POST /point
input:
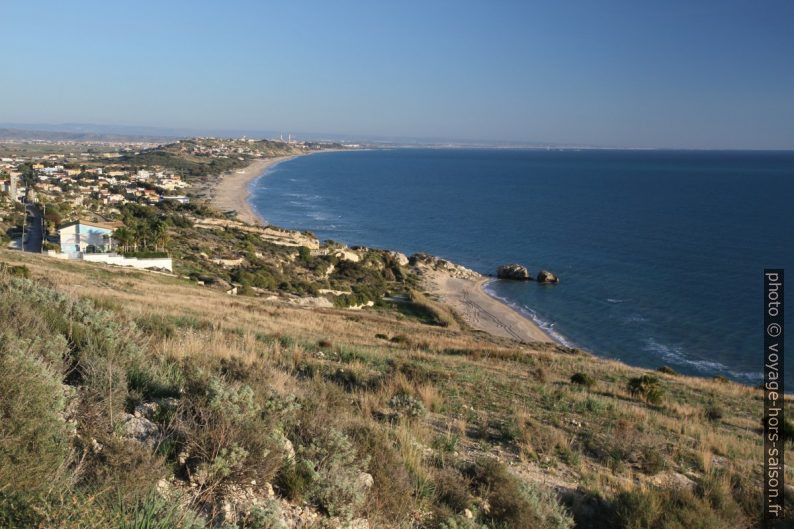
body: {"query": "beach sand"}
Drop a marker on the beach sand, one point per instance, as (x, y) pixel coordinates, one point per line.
(468, 298)
(231, 191)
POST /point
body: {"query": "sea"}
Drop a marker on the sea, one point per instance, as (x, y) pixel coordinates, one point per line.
(660, 254)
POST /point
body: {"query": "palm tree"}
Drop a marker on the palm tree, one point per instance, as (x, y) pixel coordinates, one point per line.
(123, 237)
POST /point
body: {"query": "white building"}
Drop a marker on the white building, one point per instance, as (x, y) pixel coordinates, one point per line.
(81, 236)
(93, 241)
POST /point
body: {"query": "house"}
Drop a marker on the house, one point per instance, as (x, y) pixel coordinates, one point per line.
(93, 242)
(87, 237)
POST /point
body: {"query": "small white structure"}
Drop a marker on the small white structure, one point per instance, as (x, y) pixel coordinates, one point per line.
(182, 199)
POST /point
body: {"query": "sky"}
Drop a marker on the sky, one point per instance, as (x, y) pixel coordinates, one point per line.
(672, 74)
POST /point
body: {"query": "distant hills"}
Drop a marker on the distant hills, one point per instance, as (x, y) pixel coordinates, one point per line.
(122, 133)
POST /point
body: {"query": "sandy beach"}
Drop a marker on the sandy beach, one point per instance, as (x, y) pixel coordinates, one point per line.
(231, 191)
(468, 298)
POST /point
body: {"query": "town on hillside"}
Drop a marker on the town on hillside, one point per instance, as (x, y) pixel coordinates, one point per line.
(148, 206)
(70, 199)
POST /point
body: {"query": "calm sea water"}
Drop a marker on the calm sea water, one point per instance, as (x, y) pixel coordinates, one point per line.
(660, 254)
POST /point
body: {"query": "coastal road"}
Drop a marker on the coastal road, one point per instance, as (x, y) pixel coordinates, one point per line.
(34, 229)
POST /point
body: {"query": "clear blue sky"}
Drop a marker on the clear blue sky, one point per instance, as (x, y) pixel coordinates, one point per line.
(621, 73)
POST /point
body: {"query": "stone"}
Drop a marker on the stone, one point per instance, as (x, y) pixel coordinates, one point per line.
(468, 514)
(365, 480)
(401, 258)
(513, 271)
(146, 409)
(140, 429)
(544, 276)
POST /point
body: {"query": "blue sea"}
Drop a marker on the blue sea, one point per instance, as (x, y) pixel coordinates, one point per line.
(660, 253)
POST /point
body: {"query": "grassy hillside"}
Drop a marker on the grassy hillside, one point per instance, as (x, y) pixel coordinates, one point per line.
(136, 399)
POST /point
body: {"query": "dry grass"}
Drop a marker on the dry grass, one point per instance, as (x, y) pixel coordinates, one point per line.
(469, 382)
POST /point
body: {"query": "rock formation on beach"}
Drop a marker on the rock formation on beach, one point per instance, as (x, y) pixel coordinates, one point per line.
(513, 271)
(544, 276)
(423, 261)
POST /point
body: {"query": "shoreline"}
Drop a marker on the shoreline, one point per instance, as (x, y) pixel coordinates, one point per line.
(483, 312)
(231, 192)
(466, 297)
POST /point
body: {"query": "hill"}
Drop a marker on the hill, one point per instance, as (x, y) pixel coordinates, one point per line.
(139, 399)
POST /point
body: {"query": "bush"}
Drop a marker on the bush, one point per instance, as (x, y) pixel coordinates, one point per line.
(712, 505)
(400, 338)
(267, 516)
(667, 370)
(646, 387)
(408, 404)
(15, 270)
(334, 468)
(220, 430)
(713, 412)
(452, 490)
(392, 495)
(583, 379)
(514, 503)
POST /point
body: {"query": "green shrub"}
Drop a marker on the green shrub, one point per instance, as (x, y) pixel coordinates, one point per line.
(514, 503)
(712, 505)
(408, 404)
(19, 510)
(714, 412)
(15, 270)
(452, 489)
(583, 379)
(267, 516)
(653, 461)
(334, 468)
(646, 387)
(221, 433)
(294, 480)
(667, 370)
(34, 437)
(392, 496)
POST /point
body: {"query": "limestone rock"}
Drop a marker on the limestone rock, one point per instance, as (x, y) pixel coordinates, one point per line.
(401, 258)
(544, 276)
(513, 271)
(425, 262)
(140, 429)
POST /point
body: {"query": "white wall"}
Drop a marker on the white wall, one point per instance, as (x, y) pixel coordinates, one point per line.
(135, 262)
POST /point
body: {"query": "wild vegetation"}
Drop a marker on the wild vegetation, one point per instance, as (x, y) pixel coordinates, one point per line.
(131, 399)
